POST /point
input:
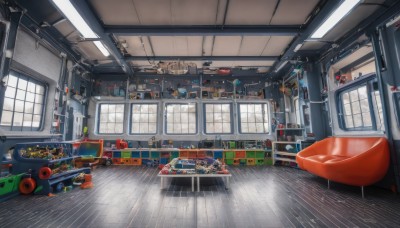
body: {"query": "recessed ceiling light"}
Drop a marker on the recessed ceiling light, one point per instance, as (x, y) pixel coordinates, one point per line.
(334, 18)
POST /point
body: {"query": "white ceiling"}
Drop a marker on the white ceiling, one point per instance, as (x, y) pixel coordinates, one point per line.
(209, 12)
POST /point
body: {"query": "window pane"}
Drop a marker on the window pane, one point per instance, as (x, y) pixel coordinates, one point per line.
(19, 106)
(218, 119)
(111, 119)
(36, 121)
(39, 89)
(357, 120)
(6, 118)
(349, 121)
(144, 115)
(20, 94)
(355, 107)
(38, 109)
(18, 117)
(27, 120)
(8, 104)
(364, 105)
(367, 120)
(12, 81)
(22, 83)
(39, 99)
(254, 118)
(10, 92)
(31, 87)
(179, 118)
(346, 98)
(362, 92)
(28, 107)
(353, 95)
(347, 109)
(30, 97)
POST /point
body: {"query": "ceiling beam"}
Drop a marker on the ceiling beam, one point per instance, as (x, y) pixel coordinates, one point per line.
(323, 13)
(226, 30)
(87, 13)
(202, 58)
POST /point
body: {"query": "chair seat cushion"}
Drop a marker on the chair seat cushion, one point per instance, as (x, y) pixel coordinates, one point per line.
(322, 158)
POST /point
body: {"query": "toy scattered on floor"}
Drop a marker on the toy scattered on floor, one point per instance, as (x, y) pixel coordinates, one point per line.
(88, 182)
(191, 166)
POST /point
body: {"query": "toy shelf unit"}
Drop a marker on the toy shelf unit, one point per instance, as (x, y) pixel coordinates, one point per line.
(50, 166)
(245, 157)
(284, 153)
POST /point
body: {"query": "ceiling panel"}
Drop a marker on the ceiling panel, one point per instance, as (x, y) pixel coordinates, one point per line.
(253, 45)
(312, 45)
(65, 28)
(112, 13)
(226, 45)
(352, 20)
(276, 45)
(208, 43)
(91, 52)
(291, 12)
(144, 64)
(194, 12)
(136, 45)
(250, 12)
(153, 12)
(176, 45)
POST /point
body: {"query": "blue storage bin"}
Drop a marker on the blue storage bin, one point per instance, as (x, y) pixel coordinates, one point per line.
(135, 154)
(218, 154)
(117, 154)
(163, 161)
(145, 154)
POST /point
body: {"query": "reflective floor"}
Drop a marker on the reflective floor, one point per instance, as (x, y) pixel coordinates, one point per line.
(264, 196)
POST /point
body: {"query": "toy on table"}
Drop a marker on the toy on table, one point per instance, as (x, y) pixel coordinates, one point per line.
(191, 166)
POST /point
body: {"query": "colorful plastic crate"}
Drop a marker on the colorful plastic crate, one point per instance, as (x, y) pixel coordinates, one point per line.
(126, 154)
(218, 154)
(240, 154)
(260, 161)
(201, 154)
(174, 154)
(117, 154)
(251, 161)
(136, 161)
(250, 154)
(260, 154)
(229, 154)
(116, 161)
(164, 161)
(126, 161)
(145, 154)
(155, 154)
(229, 161)
(135, 154)
(236, 161)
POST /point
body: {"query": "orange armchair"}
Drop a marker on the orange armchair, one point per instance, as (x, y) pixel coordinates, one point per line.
(352, 161)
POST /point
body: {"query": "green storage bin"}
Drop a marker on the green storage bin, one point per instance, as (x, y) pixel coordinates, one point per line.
(250, 154)
(260, 154)
(174, 154)
(229, 161)
(268, 161)
(229, 155)
(126, 154)
(260, 161)
(155, 154)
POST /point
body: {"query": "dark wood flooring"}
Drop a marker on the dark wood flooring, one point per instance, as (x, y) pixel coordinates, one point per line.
(259, 197)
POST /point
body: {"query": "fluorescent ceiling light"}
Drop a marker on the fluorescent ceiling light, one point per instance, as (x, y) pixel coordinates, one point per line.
(75, 18)
(298, 47)
(101, 47)
(69, 11)
(334, 18)
(281, 66)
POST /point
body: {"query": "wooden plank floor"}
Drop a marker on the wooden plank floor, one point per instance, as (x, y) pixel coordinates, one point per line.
(259, 197)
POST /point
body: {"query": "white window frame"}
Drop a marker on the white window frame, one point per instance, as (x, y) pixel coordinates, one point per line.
(265, 118)
(117, 124)
(178, 121)
(24, 97)
(218, 118)
(145, 118)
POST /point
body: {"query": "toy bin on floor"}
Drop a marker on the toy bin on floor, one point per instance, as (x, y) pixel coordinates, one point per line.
(90, 153)
(49, 165)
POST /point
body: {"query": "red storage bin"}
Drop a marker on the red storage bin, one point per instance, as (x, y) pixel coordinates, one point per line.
(240, 154)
